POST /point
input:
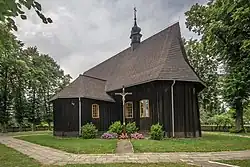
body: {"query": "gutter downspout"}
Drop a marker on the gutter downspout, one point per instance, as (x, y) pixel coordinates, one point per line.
(80, 115)
(172, 102)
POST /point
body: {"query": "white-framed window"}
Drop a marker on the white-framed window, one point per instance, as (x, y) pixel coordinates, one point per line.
(129, 109)
(95, 111)
(144, 108)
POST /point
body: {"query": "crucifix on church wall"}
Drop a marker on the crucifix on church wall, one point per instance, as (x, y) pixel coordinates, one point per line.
(123, 94)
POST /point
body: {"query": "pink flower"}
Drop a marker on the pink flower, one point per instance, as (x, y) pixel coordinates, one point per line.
(123, 136)
(137, 136)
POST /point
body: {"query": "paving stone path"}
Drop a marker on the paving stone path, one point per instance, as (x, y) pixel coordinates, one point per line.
(211, 164)
(46, 155)
(124, 146)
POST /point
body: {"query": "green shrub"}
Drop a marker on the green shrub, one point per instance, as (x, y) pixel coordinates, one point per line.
(131, 128)
(156, 132)
(89, 131)
(116, 127)
(234, 130)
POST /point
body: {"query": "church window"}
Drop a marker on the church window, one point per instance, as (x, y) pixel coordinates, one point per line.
(95, 111)
(144, 108)
(129, 109)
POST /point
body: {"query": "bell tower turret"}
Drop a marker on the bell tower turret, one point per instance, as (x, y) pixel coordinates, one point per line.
(135, 33)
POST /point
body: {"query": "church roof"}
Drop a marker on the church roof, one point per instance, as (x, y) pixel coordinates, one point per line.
(160, 57)
(86, 87)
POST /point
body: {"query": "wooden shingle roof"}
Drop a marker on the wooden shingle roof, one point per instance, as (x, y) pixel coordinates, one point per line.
(160, 57)
(86, 87)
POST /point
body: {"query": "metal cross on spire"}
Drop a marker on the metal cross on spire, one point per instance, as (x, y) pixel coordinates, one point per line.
(135, 13)
(123, 94)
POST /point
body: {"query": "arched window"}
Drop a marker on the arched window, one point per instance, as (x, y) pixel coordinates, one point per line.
(129, 109)
(95, 111)
(144, 108)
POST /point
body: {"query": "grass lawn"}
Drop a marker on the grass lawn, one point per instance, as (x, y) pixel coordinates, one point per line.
(73, 145)
(241, 163)
(12, 158)
(208, 143)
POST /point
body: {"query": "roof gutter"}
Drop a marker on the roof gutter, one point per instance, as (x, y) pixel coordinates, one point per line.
(172, 101)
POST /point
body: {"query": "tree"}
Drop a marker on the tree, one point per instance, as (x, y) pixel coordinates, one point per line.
(8, 50)
(205, 65)
(14, 8)
(224, 26)
(19, 85)
(45, 79)
(27, 80)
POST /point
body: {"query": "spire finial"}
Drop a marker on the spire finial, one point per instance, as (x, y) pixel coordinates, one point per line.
(135, 13)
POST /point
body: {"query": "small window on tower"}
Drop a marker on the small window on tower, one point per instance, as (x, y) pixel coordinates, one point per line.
(95, 111)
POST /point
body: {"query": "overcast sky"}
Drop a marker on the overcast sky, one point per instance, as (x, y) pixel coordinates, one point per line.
(86, 32)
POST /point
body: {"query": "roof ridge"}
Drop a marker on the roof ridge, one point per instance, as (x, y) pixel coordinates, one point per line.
(92, 77)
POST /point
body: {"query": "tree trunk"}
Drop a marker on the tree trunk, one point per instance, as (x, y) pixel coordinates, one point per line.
(33, 108)
(49, 125)
(33, 127)
(20, 127)
(239, 116)
(5, 102)
(3, 128)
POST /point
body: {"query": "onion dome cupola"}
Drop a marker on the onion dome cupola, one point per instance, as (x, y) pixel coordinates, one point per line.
(135, 33)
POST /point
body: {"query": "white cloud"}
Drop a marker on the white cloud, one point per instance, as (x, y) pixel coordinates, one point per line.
(84, 33)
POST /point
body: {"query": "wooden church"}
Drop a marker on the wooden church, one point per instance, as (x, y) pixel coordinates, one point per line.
(162, 86)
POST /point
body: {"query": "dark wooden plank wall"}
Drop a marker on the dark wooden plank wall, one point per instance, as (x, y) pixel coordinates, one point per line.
(187, 121)
(66, 115)
(107, 114)
(158, 93)
(186, 111)
(139, 92)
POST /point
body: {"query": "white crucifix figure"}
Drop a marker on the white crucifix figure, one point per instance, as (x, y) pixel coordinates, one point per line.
(123, 94)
